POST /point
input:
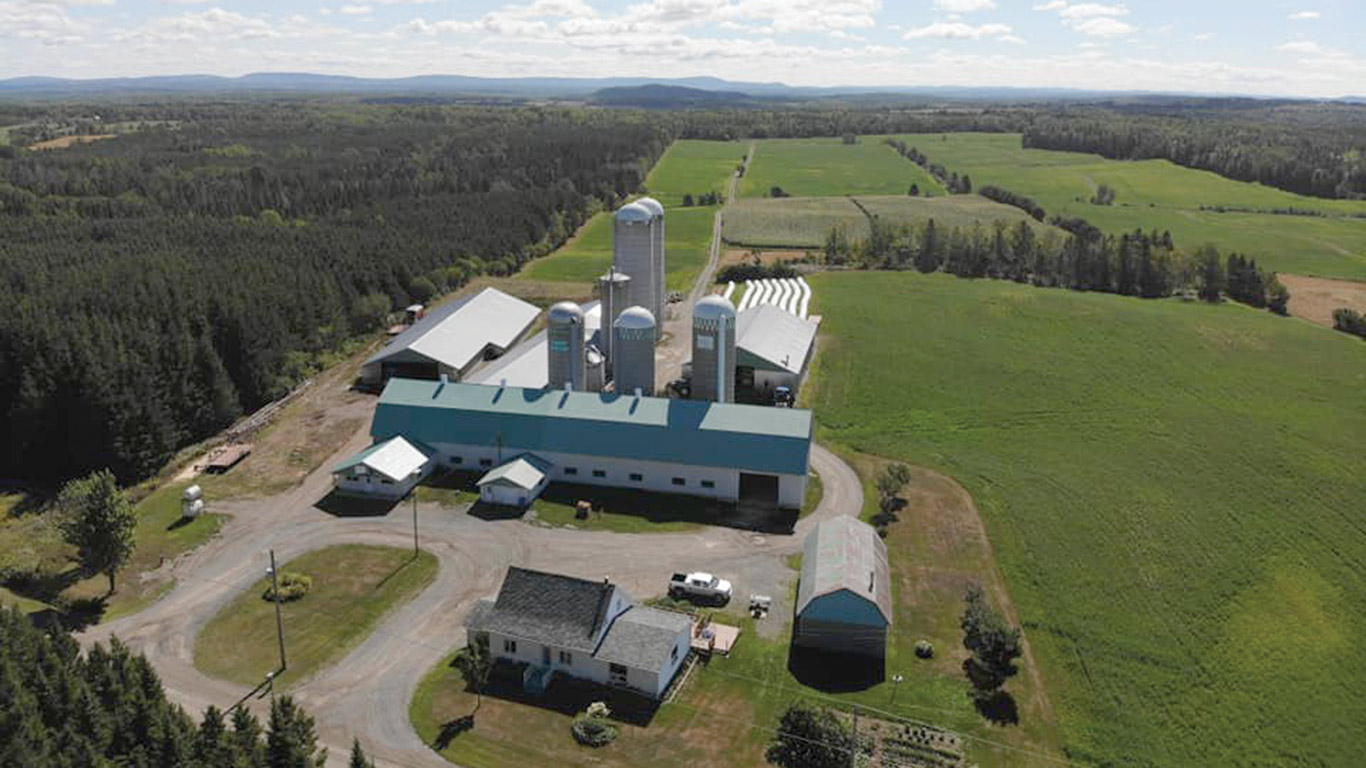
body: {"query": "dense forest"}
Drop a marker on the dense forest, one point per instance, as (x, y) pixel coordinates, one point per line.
(108, 709)
(1312, 149)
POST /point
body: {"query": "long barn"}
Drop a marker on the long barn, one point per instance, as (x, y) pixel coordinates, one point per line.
(719, 450)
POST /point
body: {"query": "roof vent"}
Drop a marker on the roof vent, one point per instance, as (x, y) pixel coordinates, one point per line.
(640, 392)
(872, 580)
(445, 379)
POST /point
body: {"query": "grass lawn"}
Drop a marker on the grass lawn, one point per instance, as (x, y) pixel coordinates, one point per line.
(805, 222)
(353, 587)
(1161, 195)
(1171, 490)
(694, 167)
(827, 167)
(725, 714)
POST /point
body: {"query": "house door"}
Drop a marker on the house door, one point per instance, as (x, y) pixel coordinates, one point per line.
(616, 674)
(545, 655)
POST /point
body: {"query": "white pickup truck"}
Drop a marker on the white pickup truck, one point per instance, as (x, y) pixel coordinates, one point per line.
(699, 586)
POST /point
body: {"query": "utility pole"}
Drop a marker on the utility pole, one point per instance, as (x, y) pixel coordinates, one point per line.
(279, 620)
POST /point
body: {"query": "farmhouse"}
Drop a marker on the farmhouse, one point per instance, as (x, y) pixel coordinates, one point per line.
(548, 624)
(719, 450)
(452, 339)
(773, 349)
(387, 469)
(844, 599)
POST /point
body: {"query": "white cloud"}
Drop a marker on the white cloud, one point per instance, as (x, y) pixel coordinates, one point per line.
(1051, 6)
(1304, 16)
(964, 6)
(1203, 36)
(1089, 10)
(1091, 19)
(356, 10)
(1102, 26)
(1300, 46)
(46, 23)
(956, 30)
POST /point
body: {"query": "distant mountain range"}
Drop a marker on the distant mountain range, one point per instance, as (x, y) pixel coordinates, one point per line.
(616, 91)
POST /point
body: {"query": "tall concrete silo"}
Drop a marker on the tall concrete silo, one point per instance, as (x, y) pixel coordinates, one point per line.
(612, 289)
(633, 253)
(657, 248)
(565, 329)
(713, 350)
(634, 348)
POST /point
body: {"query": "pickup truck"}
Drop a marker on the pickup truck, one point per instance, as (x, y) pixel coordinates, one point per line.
(699, 586)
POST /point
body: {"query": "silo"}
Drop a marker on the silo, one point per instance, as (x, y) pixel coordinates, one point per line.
(635, 332)
(713, 350)
(657, 253)
(565, 336)
(612, 289)
(633, 253)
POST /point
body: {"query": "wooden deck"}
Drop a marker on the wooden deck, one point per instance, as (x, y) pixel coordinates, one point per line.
(714, 638)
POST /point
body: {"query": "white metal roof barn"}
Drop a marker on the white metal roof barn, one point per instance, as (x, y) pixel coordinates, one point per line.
(844, 600)
(773, 348)
(452, 338)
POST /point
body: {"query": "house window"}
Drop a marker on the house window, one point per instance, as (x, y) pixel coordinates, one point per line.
(387, 481)
(599, 473)
(566, 658)
(571, 470)
(674, 653)
(636, 477)
(486, 462)
(509, 646)
(679, 481)
(708, 484)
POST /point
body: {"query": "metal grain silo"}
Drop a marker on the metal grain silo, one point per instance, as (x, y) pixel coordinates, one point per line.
(612, 289)
(565, 336)
(633, 253)
(657, 254)
(713, 350)
(634, 347)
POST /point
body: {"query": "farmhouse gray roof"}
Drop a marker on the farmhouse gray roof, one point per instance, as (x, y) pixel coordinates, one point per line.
(456, 334)
(643, 637)
(843, 553)
(546, 607)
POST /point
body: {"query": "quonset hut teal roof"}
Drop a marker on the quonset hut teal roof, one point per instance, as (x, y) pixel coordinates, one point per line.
(748, 438)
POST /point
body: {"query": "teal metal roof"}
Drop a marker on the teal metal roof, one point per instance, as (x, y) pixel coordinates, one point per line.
(746, 437)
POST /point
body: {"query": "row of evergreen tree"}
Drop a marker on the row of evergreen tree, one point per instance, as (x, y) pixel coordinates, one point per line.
(107, 709)
(951, 181)
(1138, 263)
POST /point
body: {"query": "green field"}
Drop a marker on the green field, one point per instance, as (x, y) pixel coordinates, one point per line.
(805, 222)
(694, 167)
(828, 167)
(1156, 194)
(353, 587)
(1173, 492)
(687, 237)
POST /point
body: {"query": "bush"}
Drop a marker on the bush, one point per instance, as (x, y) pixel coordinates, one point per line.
(593, 731)
(924, 649)
(292, 587)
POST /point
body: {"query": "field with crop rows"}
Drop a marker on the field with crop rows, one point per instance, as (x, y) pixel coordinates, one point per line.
(826, 167)
(694, 167)
(804, 222)
(1172, 491)
(1156, 194)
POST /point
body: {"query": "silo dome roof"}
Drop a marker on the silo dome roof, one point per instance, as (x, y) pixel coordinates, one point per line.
(566, 311)
(634, 212)
(713, 307)
(635, 318)
(652, 204)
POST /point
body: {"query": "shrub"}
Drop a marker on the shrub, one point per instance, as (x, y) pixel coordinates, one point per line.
(292, 587)
(924, 649)
(593, 731)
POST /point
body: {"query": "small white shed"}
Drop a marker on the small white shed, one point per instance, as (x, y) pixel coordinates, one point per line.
(515, 483)
(389, 469)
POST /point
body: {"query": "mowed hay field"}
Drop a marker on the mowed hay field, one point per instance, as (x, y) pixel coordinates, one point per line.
(1157, 194)
(1173, 492)
(824, 167)
(693, 167)
(805, 222)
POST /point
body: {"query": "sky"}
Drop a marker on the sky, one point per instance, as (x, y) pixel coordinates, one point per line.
(1309, 48)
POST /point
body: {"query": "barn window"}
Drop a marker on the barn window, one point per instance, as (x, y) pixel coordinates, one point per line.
(566, 658)
(679, 481)
(571, 470)
(636, 477)
(457, 460)
(599, 473)
(708, 484)
(486, 462)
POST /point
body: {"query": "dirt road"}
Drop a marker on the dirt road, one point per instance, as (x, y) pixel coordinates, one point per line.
(367, 693)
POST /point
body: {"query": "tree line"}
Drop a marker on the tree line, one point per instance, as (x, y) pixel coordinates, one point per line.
(951, 181)
(1138, 263)
(108, 708)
